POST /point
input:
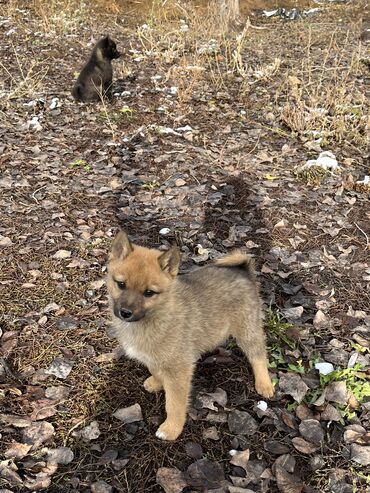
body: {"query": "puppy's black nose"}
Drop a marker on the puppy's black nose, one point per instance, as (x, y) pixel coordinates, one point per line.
(125, 313)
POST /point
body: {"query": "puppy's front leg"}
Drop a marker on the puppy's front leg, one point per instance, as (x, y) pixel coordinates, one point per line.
(177, 388)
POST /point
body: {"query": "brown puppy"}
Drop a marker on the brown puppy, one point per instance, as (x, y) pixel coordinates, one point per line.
(167, 321)
(95, 79)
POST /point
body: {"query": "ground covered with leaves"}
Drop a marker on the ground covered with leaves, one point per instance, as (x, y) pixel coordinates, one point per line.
(204, 146)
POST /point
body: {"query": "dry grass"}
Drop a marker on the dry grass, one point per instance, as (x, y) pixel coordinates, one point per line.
(197, 47)
(322, 97)
(21, 76)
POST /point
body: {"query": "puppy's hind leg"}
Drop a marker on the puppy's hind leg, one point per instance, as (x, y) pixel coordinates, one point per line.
(251, 339)
(153, 383)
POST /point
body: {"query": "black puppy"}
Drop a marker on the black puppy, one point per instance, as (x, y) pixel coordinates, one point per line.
(95, 79)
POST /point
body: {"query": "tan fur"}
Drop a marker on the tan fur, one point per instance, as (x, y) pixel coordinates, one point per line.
(190, 315)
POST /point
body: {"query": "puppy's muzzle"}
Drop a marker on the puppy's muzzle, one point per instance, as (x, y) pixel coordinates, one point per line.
(129, 316)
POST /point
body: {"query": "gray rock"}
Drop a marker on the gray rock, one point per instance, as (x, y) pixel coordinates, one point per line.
(60, 455)
(67, 323)
(90, 432)
(129, 414)
(101, 487)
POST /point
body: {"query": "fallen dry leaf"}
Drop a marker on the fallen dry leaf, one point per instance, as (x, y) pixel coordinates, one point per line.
(240, 459)
(60, 368)
(171, 479)
(38, 433)
(292, 384)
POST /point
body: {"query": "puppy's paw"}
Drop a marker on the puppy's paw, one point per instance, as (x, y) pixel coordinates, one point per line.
(265, 388)
(151, 384)
(168, 431)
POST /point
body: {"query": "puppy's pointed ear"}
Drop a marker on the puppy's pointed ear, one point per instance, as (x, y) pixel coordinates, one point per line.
(170, 261)
(121, 247)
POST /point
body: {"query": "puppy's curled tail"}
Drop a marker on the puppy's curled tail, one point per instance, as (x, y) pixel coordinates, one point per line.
(240, 260)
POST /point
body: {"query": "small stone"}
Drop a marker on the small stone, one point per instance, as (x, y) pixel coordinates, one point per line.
(180, 182)
(324, 368)
(317, 462)
(288, 483)
(213, 417)
(337, 357)
(353, 433)
(205, 474)
(67, 323)
(108, 456)
(61, 254)
(207, 399)
(262, 406)
(320, 320)
(60, 455)
(51, 307)
(5, 241)
(129, 414)
(101, 487)
(17, 421)
(303, 412)
(40, 481)
(119, 464)
(294, 313)
(90, 432)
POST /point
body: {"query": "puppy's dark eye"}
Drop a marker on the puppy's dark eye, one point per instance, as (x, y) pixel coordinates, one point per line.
(148, 293)
(121, 284)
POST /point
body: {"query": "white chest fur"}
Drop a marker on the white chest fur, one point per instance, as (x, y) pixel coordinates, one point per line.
(136, 344)
(133, 352)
